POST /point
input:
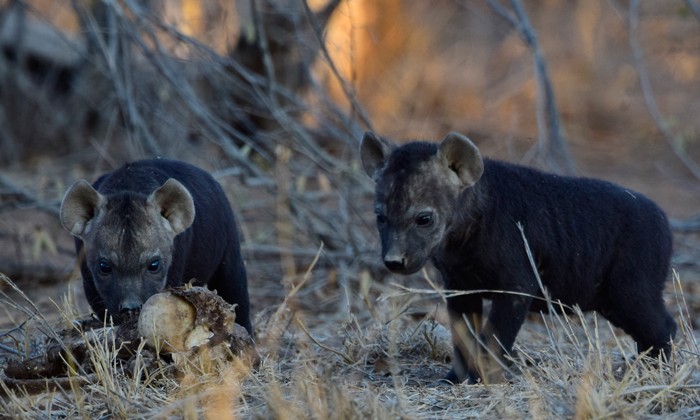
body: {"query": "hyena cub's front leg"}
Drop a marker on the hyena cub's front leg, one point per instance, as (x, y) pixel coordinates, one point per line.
(465, 323)
(479, 349)
(471, 362)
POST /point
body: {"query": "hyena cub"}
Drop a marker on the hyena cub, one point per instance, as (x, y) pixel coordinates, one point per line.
(153, 224)
(596, 245)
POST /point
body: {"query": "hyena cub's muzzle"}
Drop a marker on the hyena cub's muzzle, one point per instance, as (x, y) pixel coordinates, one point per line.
(394, 259)
(129, 306)
(397, 261)
(394, 264)
(407, 246)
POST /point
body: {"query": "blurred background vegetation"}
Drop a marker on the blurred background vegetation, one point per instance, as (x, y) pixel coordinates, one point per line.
(273, 97)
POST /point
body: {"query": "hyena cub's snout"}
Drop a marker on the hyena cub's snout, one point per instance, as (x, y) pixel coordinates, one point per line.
(396, 262)
(409, 235)
(130, 303)
(130, 307)
(394, 258)
(406, 261)
(123, 305)
(403, 253)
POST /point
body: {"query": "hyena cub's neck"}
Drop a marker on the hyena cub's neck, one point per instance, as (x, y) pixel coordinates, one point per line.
(466, 216)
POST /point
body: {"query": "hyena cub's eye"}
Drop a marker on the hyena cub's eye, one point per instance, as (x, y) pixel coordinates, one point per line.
(424, 219)
(154, 265)
(104, 266)
(381, 220)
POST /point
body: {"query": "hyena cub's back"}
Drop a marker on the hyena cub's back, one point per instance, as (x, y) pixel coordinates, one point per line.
(153, 224)
(596, 244)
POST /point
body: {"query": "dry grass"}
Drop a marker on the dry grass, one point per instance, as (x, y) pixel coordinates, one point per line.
(564, 366)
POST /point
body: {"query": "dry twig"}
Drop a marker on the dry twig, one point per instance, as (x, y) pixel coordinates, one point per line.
(552, 141)
(645, 84)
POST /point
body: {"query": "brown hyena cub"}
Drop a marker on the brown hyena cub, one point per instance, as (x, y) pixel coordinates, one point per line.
(596, 245)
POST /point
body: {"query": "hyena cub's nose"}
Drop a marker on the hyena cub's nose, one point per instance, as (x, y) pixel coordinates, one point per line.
(395, 264)
(129, 307)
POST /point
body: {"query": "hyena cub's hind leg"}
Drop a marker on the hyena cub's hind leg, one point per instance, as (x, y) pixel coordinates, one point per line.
(638, 308)
(649, 323)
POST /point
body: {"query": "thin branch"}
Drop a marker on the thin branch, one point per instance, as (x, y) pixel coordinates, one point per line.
(349, 92)
(263, 46)
(220, 129)
(25, 198)
(340, 354)
(689, 225)
(645, 84)
(694, 8)
(551, 136)
(29, 308)
(104, 25)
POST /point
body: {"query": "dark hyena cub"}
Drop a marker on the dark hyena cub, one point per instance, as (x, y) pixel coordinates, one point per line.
(596, 245)
(153, 224)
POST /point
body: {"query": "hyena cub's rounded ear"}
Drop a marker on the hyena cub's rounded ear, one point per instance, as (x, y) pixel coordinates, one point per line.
(373, 152)
(79, 206)
(174, 203)
(462, 157)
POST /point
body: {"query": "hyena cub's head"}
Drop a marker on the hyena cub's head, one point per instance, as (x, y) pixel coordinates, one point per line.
(127, 238)
(417, 185)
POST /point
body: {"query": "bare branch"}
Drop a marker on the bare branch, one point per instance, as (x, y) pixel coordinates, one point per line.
(694, 8)
(109, 48)
(645, 84)
(689, 225)
(551, 137)
(24, 198)
(263, 46)
(317, 24)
